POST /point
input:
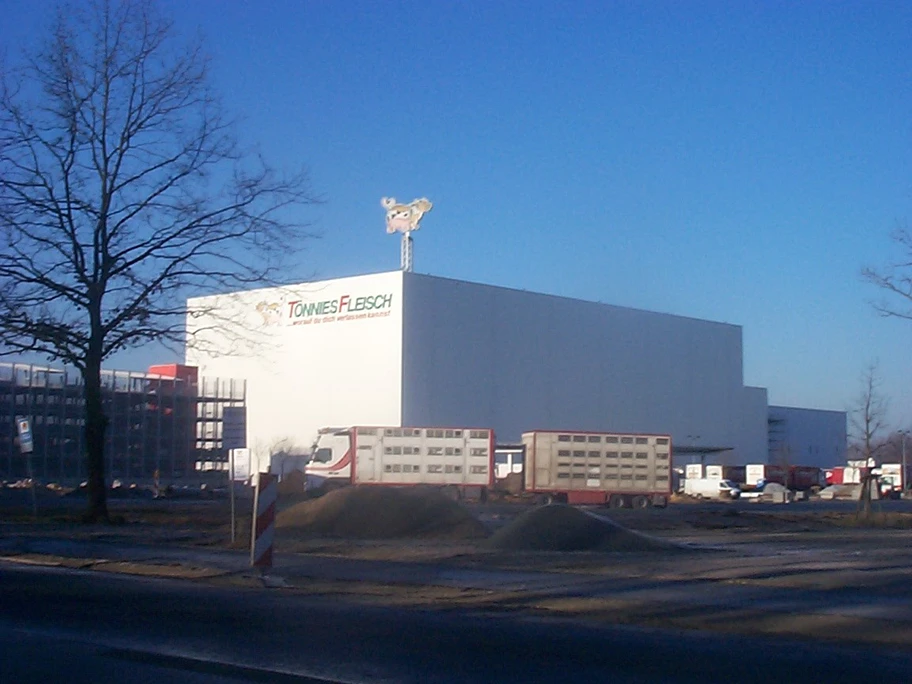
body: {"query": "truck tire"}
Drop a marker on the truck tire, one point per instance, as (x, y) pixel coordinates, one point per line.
(617, 501)
(640, 501)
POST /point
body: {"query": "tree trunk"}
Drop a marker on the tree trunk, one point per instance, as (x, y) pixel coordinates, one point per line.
(864, 502)
(95, 427)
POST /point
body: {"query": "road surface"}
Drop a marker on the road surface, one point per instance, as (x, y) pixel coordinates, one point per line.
(77, 626)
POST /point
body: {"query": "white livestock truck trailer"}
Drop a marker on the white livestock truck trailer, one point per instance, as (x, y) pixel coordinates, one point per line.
(460, 460)
(617, 469)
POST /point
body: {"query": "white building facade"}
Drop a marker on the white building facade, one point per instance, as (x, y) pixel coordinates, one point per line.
(807, 436)
(408, 349)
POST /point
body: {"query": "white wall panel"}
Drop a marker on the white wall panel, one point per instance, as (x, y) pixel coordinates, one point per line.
(482, 355)
(314, 355)
(753, 444)
(807, 436)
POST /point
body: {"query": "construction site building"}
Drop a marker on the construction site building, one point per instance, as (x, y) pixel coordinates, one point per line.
(165, 424)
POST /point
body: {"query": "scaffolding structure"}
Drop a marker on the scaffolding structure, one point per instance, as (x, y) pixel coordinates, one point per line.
(158, 426)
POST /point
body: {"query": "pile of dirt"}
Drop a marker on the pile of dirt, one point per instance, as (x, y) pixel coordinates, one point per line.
(380, 513)
(291, 484)
(564, 528)
(511, 484)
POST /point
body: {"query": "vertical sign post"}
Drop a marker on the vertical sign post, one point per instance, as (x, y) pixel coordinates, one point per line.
(26, 446)
(231, 493)
(264, 505)
(234, 436)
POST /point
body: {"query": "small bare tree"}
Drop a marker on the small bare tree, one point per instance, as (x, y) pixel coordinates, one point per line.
(122, 192)
(896, 278)
(868, 420)
(782, 457)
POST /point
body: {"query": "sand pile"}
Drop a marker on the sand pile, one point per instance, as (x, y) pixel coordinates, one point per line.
(564, 528)
(511, 484)
(291, 484)
(380, 513)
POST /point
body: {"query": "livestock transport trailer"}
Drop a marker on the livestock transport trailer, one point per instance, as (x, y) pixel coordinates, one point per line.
(755, 473)
(460, 460)
(617, 469)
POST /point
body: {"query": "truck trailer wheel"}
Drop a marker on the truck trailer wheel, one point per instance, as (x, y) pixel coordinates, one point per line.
(617, 501)
(640, 501)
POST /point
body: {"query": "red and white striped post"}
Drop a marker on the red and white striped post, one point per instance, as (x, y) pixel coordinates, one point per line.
(263, 528)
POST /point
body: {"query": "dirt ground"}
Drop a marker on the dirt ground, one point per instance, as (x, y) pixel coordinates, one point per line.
(387, 524)
(728, 555)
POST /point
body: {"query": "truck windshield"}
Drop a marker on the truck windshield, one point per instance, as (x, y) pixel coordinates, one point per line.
(323, 455)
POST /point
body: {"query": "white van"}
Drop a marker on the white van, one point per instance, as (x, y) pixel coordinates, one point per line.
(711, 488)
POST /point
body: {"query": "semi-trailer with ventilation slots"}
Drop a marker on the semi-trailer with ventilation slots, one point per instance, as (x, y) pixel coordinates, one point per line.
(610, 468)
(460, 460)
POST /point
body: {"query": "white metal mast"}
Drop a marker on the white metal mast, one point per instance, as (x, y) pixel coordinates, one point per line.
(404, 218)
(405, 260)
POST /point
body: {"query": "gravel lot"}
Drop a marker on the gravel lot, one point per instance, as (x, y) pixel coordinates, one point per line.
(810, 570)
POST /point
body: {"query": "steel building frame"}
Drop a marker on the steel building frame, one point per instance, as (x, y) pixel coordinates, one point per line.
(157, 425)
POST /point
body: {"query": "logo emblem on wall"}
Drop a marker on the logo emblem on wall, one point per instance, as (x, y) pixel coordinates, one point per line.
(271, 312)
(403, 218)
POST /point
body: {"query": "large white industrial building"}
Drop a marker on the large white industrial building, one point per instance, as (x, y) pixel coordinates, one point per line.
(807, 436)
(402, 348)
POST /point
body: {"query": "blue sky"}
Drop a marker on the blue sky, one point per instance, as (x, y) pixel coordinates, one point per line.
(733, 161)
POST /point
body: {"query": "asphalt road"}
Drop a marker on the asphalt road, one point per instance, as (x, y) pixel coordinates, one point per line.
(74, 626)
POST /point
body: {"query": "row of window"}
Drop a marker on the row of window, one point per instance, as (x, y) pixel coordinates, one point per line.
(624, 476)
(131, 402)
(38, 398)
(609, 439)
(56, 420)
(443, 434)
(566, 453)
(432, 434)
(432, 468)
(391, 432)
(431, 451)
(398, 451)
(609, 468)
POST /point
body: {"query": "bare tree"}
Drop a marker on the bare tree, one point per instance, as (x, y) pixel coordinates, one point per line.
(868, 417)
(123, 191)
(868, 420)
(782, 457)
(896, 278)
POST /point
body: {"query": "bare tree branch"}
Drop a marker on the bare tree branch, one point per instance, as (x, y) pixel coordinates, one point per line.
(868, 417)
(896, 278)
(123, 192)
